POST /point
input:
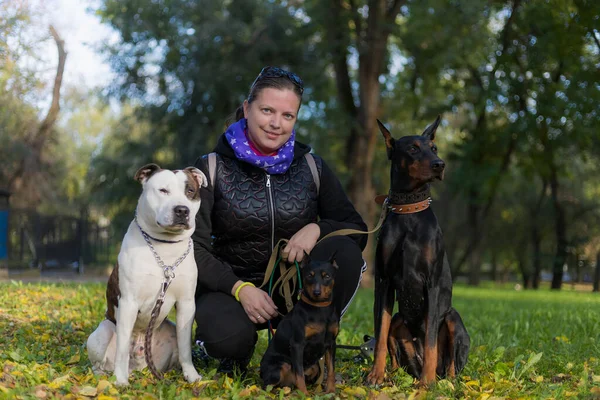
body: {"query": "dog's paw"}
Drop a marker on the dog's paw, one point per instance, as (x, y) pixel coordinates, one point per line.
(375, 377)
(122, 383)
(191, 375)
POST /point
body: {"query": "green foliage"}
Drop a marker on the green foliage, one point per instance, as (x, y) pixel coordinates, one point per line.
(523, 345)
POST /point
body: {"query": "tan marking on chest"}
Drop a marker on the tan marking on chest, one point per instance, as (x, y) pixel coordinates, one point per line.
(334, 329)
(313, 329)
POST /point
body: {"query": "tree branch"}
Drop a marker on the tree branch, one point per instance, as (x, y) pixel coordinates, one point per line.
(48, 122)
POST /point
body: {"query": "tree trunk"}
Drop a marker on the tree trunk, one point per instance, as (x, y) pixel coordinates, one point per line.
(536, 237)
(537, 256)
(560, 231)
(474, 257)
(525, 273)
(597, 274)
(372, 47)
(494, 262)
(40, 137)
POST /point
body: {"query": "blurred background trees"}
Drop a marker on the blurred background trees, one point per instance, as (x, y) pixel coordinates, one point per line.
(516, 82)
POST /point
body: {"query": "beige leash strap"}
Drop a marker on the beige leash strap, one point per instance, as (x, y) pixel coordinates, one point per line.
(384, 212)
(288, 274)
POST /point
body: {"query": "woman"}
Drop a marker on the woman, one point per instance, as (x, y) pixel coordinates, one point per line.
(263, 191)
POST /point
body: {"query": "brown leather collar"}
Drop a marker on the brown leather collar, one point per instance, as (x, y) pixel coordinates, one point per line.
(404, 208)
(312, 303)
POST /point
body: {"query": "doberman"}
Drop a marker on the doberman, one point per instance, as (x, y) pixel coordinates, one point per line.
(306, 333)
(426, 336)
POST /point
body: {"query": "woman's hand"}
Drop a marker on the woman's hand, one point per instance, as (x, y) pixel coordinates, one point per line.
(303, 241)
(256, 302)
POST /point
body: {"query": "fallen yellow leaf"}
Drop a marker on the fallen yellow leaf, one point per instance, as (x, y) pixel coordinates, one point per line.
(248, 391)
(355, 391)
(59, 382)
(73, 360)
(102, 385)
(88, 391)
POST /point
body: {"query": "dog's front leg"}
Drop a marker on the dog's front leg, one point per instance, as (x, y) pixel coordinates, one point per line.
(126, 316)
(383, 308)
(432, 326)
(185, 317)
(297, 353)
(330, 361)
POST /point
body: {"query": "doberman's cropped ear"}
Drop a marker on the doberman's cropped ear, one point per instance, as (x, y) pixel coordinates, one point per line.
(389, 140)
(429, 132)
(144, 173)
(305, 259)
(332, 258)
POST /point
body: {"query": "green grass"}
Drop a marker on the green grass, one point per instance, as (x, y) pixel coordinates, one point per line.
(524, 345)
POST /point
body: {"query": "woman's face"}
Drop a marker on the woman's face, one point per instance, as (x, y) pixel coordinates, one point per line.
(271, 118)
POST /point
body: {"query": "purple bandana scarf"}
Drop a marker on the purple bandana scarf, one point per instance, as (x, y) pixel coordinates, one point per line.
(275, 164)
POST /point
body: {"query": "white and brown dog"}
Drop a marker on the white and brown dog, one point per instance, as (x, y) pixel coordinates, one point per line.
(159, 236)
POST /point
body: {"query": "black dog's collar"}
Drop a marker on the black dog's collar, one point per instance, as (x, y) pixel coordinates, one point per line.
(151, 237)
(408, 198)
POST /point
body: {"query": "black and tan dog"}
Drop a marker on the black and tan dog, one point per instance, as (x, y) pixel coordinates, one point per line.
(306, 333)
(426, 336)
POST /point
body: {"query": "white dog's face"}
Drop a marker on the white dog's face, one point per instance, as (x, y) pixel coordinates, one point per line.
(170, 199)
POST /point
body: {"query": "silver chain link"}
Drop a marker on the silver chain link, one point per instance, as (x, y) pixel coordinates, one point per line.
(168, 270)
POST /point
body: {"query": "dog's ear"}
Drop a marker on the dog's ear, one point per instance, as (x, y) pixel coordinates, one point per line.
(429, 132)
(332, 257)
(389, 140)
(306, 259)
(144, 173)
(198, 176)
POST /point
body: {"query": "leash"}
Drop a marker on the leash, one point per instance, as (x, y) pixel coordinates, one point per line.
(287, 278)
(271, 332)
(169, 275)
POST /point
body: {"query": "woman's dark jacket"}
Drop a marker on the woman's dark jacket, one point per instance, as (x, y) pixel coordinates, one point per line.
(247, 211)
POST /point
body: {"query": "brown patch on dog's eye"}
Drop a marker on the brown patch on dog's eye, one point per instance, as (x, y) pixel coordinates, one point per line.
(192, 189)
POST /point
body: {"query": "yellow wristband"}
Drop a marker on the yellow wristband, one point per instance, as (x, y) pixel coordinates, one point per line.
(237, 291)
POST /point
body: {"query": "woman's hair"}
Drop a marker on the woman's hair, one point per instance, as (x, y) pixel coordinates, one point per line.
(269, 77)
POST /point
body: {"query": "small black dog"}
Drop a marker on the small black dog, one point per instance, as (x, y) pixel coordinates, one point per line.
(426, 336)
(306, 333)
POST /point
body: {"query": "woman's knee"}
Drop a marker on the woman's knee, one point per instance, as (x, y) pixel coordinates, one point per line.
(343, 250)
(223, 327)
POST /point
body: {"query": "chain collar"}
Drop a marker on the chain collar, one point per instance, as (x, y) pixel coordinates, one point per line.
(169, 270)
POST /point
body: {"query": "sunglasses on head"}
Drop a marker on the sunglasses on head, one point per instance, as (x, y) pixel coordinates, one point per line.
(276, 72)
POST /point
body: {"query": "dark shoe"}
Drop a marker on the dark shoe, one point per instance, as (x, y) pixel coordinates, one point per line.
(230, 366)
(200, 357)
